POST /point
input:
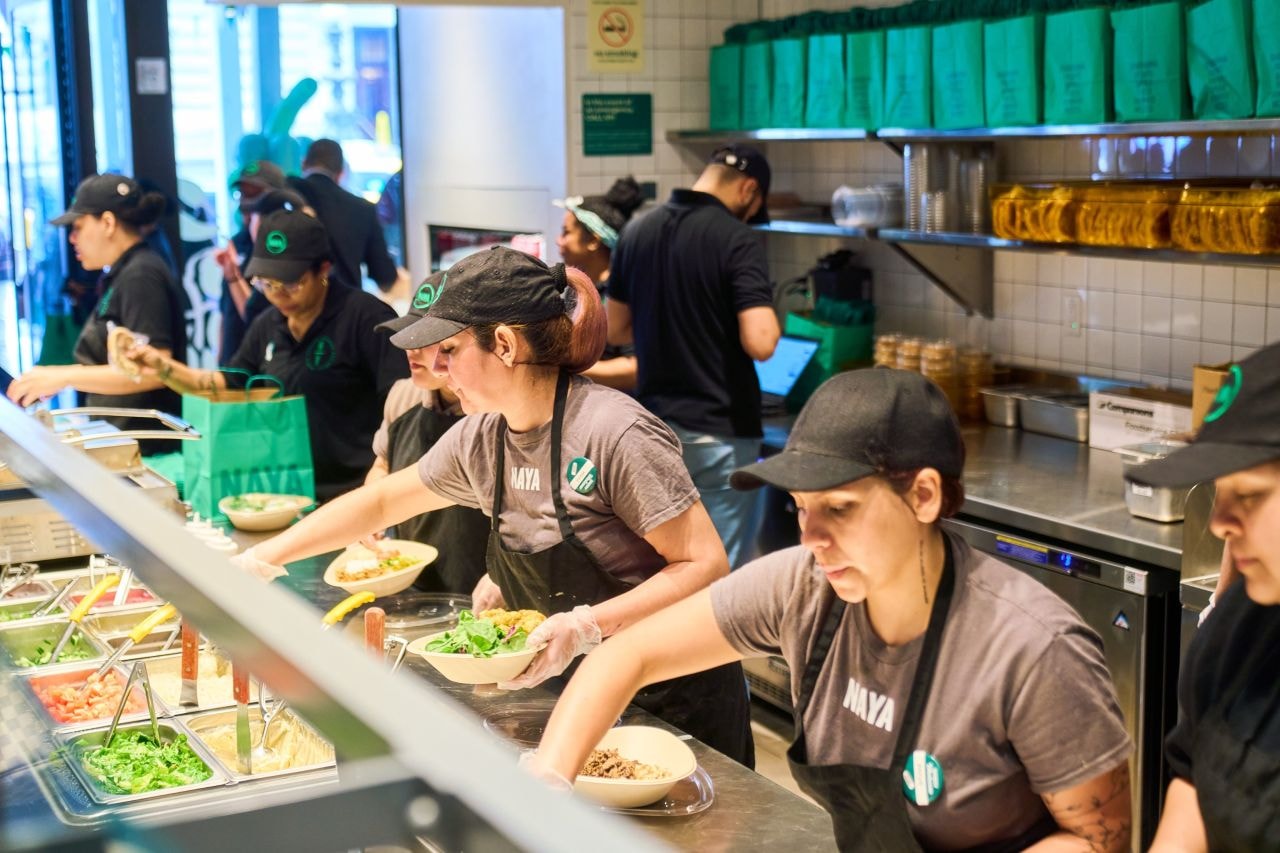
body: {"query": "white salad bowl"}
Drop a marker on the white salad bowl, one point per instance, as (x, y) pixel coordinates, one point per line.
(388, 583)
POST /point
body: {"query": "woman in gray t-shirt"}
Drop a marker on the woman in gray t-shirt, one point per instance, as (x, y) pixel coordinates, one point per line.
(944, 701)
(593, 516)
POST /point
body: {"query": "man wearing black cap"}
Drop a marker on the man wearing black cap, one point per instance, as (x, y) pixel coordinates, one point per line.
(690, 288)
(249, 184)
(1225, 750)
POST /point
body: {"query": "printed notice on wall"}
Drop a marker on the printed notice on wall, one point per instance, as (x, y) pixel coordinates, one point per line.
(617, 125)
(615, 36)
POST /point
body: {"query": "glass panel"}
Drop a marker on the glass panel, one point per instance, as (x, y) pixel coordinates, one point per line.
(110, 86)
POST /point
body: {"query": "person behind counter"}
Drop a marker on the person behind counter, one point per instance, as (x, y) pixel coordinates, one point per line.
(419, 411)
(587, 237)
(1224, 752)
(107, 217)
(930, 682)
(317, 340)
(594, 518)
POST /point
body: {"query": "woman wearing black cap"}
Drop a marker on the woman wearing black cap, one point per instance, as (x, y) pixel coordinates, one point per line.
(317, 340)
(587, 238)
(930, 682)
(593, 517)
(1225, 750)
(139, 293)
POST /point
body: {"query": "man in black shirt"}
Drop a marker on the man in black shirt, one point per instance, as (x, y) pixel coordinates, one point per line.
(690, 288)
(355, 234)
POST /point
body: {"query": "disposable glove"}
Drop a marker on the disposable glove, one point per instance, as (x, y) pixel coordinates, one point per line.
(260, 569)
(530, 764)
(486, 596)
(565, 635)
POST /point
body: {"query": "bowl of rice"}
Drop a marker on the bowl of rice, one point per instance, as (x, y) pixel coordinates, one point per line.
(634, 766)
(391, 569)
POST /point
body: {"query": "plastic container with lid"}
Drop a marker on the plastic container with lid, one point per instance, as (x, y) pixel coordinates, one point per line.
(413, 613)
(1126, 215)
(909, 354)
(1237, 220)
(886, 349)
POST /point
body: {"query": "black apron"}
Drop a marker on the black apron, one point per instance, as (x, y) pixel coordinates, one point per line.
(712, 706)
(458, 531)
(1235, 781)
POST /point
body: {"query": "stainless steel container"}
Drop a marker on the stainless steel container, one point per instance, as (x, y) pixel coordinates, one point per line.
(25, 640)
(1158, 503)
(33, 682)
(1001, 405)
(113, 629)
(1064, 416)
(211, 725)
(76, 745)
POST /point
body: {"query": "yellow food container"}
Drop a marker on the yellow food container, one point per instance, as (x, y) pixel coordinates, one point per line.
(1040, 213)
(1243, 221)
(1135, 216)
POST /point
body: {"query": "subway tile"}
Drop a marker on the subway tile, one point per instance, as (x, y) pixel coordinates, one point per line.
(1192, 159)
(1102, 274)
(1075, 272)
(1127, 375)
(1074, 368)
(1076, 158)
(1024, 268)
(1255, 156)
(1251, 285)
(1188, 281)
(1049, 304)
(1004, 265)
(1101, 346)
(1250, 327)
(1219, 283)
(1074, 348)
(1100, 310)
(1224, 156)
(666, 31)
(1185, 319)
(1052, 158)
(1128, 351)
(1049, 269)
(1157, 278)
(1240, 352)
(1024, 301)
(1273, 325)
(1183, 355)
(1024, 339)
(1048, 341)
(1155, 355)
(1156, 312)
(1128, 316)
(1215, 322)
(694, 33)
(1214, 353)
(1129, 276)
(1273, 288)
(1000, 339)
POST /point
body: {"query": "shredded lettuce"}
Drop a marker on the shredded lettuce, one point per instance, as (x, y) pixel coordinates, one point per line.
(75, 649)
(479, 638)
(136, 764)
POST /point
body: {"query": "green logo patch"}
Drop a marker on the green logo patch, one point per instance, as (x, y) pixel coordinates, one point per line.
(276, 242)
(427, 294)
(582, 475)
(1226, 394)
(321, 354)
(105, 302)
(922, 778)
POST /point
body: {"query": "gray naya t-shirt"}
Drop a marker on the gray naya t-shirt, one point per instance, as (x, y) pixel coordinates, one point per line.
(641, 478)
(402, 397)
(1022, 701)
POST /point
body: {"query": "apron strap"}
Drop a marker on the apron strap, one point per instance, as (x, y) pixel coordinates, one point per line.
(557, 420)
(818, 657)
(500, 472)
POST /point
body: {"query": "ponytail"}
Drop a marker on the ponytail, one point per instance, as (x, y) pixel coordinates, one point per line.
(147, 210)
(573, 341)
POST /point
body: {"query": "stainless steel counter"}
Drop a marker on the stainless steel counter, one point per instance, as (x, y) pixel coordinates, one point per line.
(1061, 489)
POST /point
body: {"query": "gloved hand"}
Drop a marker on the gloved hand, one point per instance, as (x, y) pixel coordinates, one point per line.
(486, 596)
(260, 569)
(530, 763)
(565, 635)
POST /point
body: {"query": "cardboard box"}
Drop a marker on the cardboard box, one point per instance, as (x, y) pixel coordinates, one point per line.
(1123, 416)
(1206, 379)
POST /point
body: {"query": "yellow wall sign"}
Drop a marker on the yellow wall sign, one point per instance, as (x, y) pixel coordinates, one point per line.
(615, 36)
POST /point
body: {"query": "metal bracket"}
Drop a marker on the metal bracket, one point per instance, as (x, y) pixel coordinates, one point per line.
(963, 273)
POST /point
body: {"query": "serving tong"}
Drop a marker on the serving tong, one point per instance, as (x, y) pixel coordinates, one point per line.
(14, 575)
(137, 675)
(77, 615)
(139, 632)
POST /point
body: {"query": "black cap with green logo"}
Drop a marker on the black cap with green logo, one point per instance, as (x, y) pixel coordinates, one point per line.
(1241, 429)
(430, 289)
(289, 243)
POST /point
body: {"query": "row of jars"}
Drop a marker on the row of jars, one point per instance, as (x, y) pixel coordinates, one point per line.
(959, 371)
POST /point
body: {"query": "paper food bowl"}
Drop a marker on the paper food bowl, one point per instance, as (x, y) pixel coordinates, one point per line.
(647, 745)
(283, 509)
(385, 584)
(465, 669)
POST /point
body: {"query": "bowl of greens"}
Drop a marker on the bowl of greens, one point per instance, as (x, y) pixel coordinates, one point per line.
(262, 511)
(392, 568)
(478, 651)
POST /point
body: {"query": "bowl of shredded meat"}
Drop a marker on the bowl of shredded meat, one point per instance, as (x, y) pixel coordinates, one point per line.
(633, 766)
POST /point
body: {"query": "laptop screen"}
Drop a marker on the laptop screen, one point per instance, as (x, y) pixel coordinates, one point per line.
(779, 374)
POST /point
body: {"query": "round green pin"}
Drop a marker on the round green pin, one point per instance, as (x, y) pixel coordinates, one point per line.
(582, 475)
(922, 778)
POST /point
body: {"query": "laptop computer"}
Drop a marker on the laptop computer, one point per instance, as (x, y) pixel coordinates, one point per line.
(780, 373)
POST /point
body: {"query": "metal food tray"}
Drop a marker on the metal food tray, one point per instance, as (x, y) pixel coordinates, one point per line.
(103, 606)
(1064, 416)
(68, 672)
(113, 629)
(15, 639)
(161, 662)
(45, 590)
(204, 720)
(70, 745)
(30, 603)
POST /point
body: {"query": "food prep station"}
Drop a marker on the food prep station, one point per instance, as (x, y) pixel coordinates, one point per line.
(363, 777)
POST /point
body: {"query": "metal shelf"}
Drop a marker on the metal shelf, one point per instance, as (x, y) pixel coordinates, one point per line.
(772, 134)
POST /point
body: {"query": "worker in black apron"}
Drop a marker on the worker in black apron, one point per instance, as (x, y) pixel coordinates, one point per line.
(1225, 750)
(594, 518)
(930, 681)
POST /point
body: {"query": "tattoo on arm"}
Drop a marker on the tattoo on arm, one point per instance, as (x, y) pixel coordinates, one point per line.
(1097, 812)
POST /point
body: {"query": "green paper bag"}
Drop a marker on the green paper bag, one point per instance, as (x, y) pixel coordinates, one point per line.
(253, 441)
(908, 78)
(1266, 55)
(864, 79)
(957, 75)
(726, 87)
(757, 80)
(824, 88)
(787, 98)
(840, 348)
(1013, 71)
(1218, 66)
(1077, 67)
(58, 345)
(1150, 63)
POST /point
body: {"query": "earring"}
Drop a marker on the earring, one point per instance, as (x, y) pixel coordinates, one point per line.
(324, 282)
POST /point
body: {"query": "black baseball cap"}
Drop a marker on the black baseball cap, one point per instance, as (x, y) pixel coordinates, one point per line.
(260, 173)
(98, 194)
(861, 423)
(752, 163)
(423, 297)
(1240, 430)
(270, 202)
(289, 243)
(496, 285)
